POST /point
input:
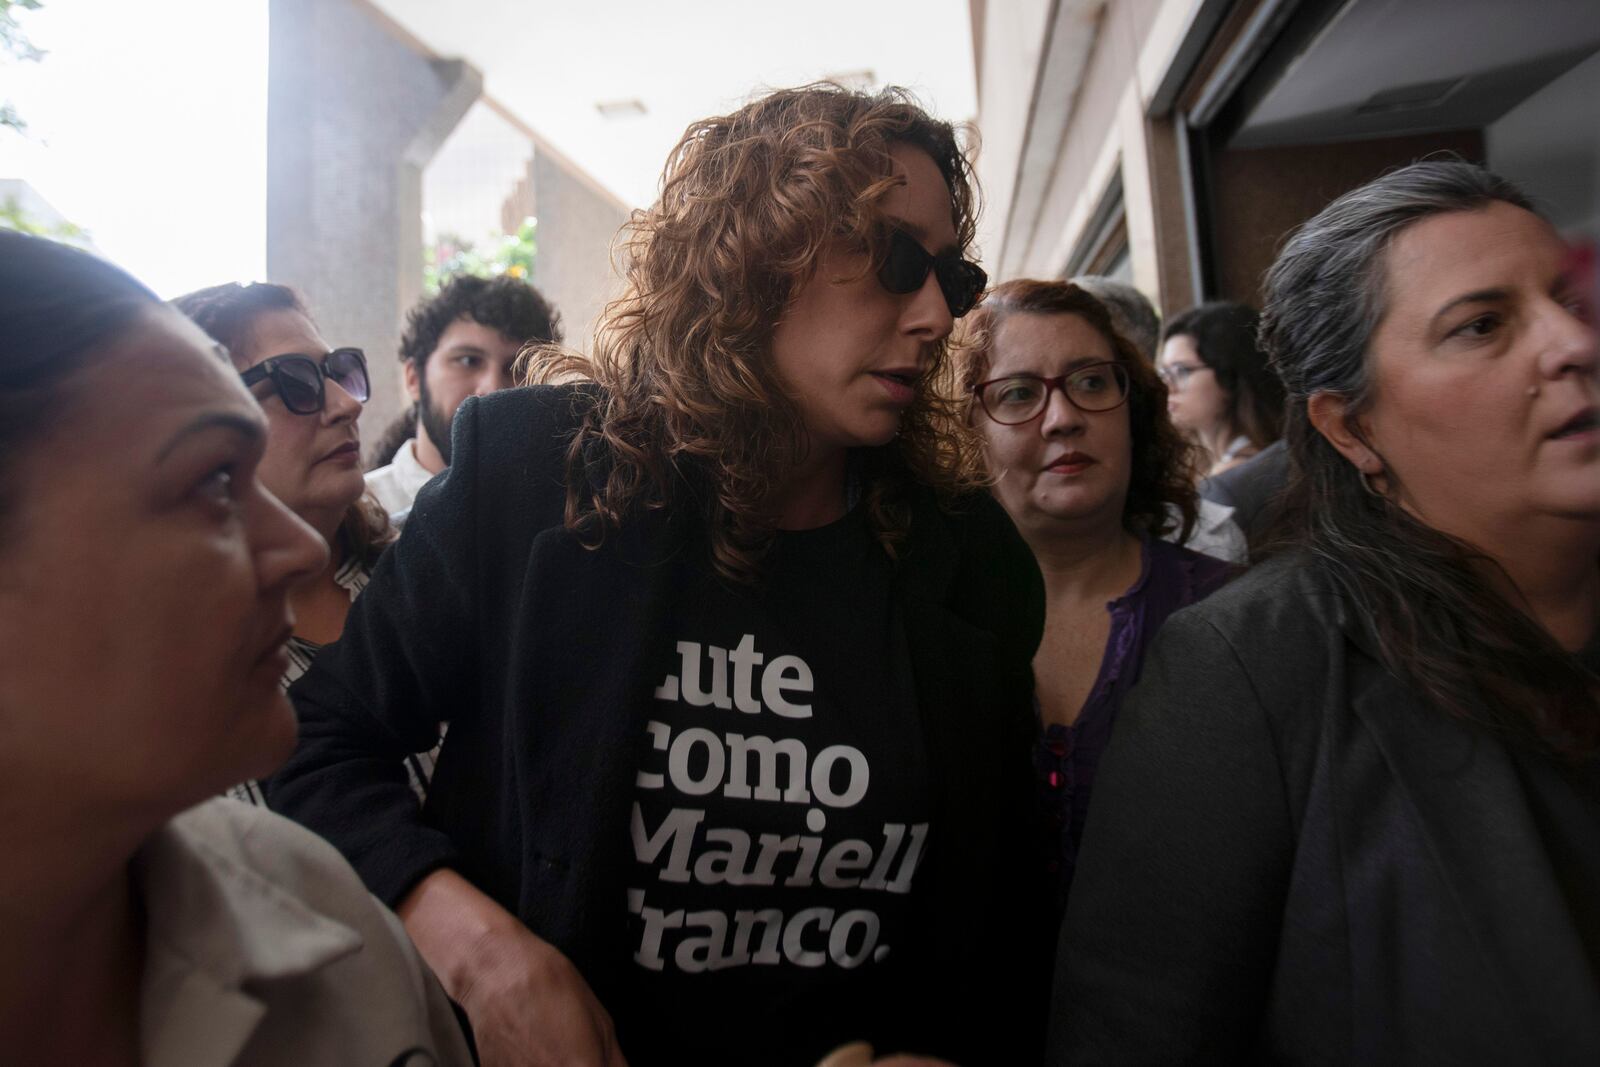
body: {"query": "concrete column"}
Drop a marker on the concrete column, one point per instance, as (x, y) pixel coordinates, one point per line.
(355, 109)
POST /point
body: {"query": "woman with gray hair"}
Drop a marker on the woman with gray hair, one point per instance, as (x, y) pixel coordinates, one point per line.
(1352, 814)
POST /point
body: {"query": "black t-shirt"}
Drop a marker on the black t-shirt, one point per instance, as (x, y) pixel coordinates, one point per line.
(781, 812)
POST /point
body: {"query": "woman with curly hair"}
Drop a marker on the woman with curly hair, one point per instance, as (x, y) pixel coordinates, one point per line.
(735, 656)
(1087, 463)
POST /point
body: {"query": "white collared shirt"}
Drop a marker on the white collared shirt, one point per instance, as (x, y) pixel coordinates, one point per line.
(1215, 534)
(396, 485)
(263, 949)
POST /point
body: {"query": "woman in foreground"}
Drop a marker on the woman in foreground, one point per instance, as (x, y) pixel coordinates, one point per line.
(144, 586)
(736, 661)
(1352, 814)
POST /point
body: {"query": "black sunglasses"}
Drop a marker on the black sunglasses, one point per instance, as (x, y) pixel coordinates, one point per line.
(906, 265)
(299, 379)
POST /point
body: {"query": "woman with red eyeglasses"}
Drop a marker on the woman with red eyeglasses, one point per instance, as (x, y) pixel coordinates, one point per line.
(1091, 469)
(734, 649)
(311, 396)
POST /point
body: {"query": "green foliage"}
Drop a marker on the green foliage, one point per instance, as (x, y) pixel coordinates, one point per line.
(12, 39)
(12, 217)
(450, 254)
(15, 43)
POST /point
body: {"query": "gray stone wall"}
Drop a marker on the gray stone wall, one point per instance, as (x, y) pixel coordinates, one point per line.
(354, 111)
(577, 224)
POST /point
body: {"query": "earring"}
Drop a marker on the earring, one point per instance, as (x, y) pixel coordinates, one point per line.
(1366, 483)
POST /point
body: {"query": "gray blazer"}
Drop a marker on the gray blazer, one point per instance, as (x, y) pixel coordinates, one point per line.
(1291, 859)
(1252, 489)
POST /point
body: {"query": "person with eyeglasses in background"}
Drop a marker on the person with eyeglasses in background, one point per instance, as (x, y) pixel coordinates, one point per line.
(1220, 389)
(1091, 469)
(734, 648)
(312, 395)
(1216, 531)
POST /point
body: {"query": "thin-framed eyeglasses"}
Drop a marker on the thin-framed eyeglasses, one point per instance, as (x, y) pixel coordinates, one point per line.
(1019, 398)
(1177, 375)
(299, 380)
(906, 265)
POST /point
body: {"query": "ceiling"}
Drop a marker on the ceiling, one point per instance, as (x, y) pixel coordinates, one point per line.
(554, 63)
(1384, 67)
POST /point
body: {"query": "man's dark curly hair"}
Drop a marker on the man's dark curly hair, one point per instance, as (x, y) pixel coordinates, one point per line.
(503, 303)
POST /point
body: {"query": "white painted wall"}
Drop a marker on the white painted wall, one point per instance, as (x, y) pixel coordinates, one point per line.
(1013, 39)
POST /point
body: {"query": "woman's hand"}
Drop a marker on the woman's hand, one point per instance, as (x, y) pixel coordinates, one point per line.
(859, 1054)
(528, 1005)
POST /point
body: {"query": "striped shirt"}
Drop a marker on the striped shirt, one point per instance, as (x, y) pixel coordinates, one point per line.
(352, 578)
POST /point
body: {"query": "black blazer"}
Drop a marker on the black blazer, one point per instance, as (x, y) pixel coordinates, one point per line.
(1291, 859)
(489, 614)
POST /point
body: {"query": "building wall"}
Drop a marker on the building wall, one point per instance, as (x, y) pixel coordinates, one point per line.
(1098, 139)
(357, 108)
(1098, 136)
(492, 173)
(1262, 194)
(578, 222)
(1202, 221)
(354, 110)
(1011, 44)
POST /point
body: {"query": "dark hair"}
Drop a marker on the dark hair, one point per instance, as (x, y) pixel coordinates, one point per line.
(400, 430)
(1224, 335)
(502, 303)
(1162, 476)
(1440, 624)
(227, 313)
(692, 409)
(1131, 311)
(59, 309)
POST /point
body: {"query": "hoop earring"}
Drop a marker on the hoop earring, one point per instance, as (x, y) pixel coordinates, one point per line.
(1366, 483)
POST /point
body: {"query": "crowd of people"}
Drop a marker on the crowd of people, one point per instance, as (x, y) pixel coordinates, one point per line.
(840, 657)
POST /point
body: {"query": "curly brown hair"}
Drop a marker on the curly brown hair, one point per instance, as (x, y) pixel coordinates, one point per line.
(691, 412)
(1162, 478)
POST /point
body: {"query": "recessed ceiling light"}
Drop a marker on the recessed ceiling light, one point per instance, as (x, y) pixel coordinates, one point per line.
(621, 109)
(1411, 97)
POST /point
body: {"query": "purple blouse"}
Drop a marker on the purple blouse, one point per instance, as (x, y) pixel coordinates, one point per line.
(1065, 757)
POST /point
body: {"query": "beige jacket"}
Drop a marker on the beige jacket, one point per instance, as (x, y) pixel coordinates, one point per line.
(265, 950)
